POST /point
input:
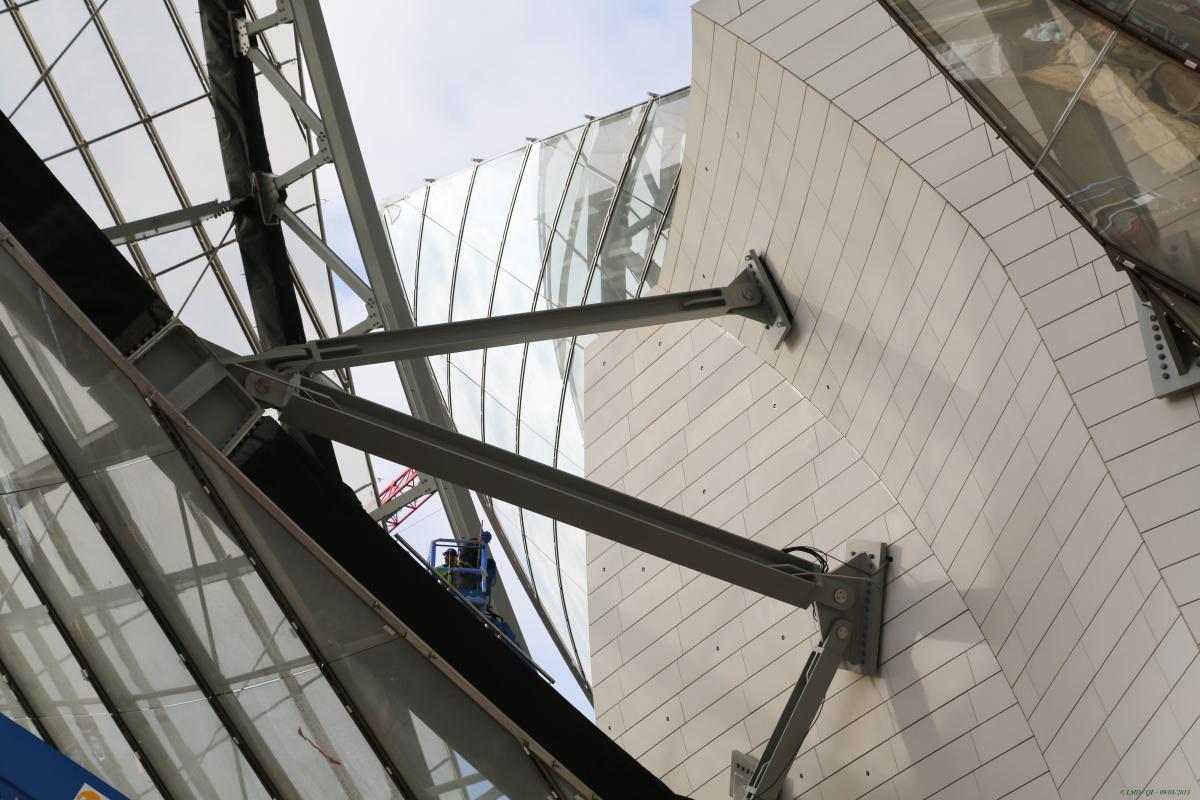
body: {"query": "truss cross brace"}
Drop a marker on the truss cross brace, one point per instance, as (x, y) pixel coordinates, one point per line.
(752, 294)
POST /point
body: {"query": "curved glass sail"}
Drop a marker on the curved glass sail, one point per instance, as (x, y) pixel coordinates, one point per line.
(1110, 123)
(577, 217)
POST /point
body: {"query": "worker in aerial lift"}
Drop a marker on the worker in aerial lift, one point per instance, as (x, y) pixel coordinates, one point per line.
(449, 568)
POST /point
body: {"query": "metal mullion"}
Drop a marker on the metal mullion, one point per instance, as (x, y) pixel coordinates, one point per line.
(235, 304)
(668, 210)
(462, 227)
(73, 128)
(537, 288)
(189, 658)
(612, 206)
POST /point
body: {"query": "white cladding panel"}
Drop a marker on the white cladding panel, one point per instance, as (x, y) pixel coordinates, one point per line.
(963, 348)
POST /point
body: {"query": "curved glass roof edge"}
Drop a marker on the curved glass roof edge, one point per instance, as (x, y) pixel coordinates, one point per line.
(554, 218)
(1149, 111)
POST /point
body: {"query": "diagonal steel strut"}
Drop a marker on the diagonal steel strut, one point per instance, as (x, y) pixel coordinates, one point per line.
(751, 294)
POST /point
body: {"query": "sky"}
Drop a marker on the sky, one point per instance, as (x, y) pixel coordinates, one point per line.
(433, 85)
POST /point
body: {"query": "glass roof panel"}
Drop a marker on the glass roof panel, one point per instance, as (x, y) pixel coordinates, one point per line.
(1177, 22)
(1026, 59)
(1109, 122)
(660, 151)
(1127, 158)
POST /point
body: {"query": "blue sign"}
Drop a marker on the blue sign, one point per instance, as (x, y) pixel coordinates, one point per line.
(30, 769)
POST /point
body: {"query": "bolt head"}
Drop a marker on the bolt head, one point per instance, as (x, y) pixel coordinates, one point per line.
(262, 386)
(842, 632)
(840, 595)
(748, 293)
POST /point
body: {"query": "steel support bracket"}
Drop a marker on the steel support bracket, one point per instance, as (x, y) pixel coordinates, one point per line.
(773, 312)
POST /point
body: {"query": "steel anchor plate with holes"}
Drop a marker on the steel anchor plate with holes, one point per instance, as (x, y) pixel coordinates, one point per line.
(1164, 373)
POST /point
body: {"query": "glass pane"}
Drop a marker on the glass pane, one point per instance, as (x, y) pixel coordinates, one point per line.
(570, 434)
(1126, 158)
(396, 689)
(472, 285)
(465, 406)
(91, 412)
(491, 197)
(54, 683)
(660, 151)
(542, 390)
(447, 199)
(576, 237)
(404, 227)
(438, 246)
(200, 576)
(542, 183)
(503, 378)
(623, 256)
(1023, 60)
(608, 143)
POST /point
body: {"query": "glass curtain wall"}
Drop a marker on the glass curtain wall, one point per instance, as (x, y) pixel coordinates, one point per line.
(1111, 123)
(578, 217)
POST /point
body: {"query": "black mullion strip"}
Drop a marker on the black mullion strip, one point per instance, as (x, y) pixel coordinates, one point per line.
(289, 614)
(147, 597)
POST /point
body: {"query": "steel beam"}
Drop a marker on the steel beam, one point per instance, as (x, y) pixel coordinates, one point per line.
(384, 432)
(745, 296)
(182, 219)
(798, 716)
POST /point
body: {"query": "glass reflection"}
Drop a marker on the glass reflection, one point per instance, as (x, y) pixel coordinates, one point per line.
(1025, 59)
(1126, 157)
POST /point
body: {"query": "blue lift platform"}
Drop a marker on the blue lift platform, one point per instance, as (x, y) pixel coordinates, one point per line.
(467, 565)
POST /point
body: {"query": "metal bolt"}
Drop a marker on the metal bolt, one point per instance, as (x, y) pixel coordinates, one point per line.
(842, 632)
(747, 293)
(840, 595)
(262, 385)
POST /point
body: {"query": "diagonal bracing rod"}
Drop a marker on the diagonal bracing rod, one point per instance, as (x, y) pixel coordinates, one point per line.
(746, 296)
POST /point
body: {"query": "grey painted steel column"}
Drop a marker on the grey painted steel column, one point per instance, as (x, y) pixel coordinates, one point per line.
(417, 377)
